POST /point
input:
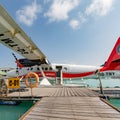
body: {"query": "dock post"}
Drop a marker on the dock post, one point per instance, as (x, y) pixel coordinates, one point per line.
(97, 72)
(100, 83)
(7, 89)
(31, 93)
(19, 93)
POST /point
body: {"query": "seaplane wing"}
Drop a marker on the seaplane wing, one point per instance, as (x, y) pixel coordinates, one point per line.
(12, 36)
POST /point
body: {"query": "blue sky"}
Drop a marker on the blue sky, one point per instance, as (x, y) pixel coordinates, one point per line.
(67, 31)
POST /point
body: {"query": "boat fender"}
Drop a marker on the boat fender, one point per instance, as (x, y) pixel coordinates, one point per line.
(31, 75)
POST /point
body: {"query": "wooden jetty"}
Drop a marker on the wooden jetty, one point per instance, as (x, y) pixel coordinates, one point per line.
(68, 103)
(56, 91)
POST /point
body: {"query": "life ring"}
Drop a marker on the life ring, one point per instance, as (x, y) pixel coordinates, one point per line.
(31, 75)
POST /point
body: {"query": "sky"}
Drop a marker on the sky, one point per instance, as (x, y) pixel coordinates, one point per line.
(66, 31)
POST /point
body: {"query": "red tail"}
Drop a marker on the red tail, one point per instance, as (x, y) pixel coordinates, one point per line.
(113, 62)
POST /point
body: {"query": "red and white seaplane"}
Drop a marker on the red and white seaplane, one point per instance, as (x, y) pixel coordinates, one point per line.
(12, 36)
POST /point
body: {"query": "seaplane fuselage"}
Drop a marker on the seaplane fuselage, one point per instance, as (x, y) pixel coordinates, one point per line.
(67, 70)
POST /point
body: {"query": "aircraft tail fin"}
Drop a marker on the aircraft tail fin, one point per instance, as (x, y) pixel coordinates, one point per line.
(113, 62)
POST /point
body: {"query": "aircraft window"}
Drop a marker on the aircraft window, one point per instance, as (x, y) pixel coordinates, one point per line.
(110, 73)
(31, 68)
(50, 68)
(46, 68)
(42, 68)
(65, 68)
(106, 73)
(102, 74)
(38, 68)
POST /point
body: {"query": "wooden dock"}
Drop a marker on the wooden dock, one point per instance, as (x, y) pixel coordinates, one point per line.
(59, 91)
(69, 103)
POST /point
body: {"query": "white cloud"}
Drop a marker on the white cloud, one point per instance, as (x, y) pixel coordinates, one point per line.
(74, 23)
(60, 8)
(99, 7)
(28, 13)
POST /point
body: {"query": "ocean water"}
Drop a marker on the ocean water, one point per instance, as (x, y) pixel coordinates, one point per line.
(14, 112)
(94, 82)
(115, 102)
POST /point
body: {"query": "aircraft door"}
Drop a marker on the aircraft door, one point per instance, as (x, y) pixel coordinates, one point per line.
(59, 78)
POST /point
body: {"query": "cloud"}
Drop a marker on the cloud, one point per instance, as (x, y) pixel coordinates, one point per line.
(60, 8)
(28, 13)
(99, 7)
(74, 23)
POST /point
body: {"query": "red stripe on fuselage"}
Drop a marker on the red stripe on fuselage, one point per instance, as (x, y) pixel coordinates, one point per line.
(65, 75)
(76, 75)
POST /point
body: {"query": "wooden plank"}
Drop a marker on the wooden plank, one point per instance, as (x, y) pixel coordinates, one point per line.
(69, 108)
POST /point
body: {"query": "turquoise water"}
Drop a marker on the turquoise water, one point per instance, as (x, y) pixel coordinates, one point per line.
(115, 102)
(95, 82)
(14, 112)
(105, 83)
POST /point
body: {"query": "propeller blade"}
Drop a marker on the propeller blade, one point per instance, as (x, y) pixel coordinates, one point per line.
(14, 56)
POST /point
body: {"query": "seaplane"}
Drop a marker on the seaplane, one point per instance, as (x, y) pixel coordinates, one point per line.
(13, 37)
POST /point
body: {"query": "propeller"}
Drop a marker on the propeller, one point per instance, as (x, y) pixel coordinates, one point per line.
(17, 68)
(14, 56)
